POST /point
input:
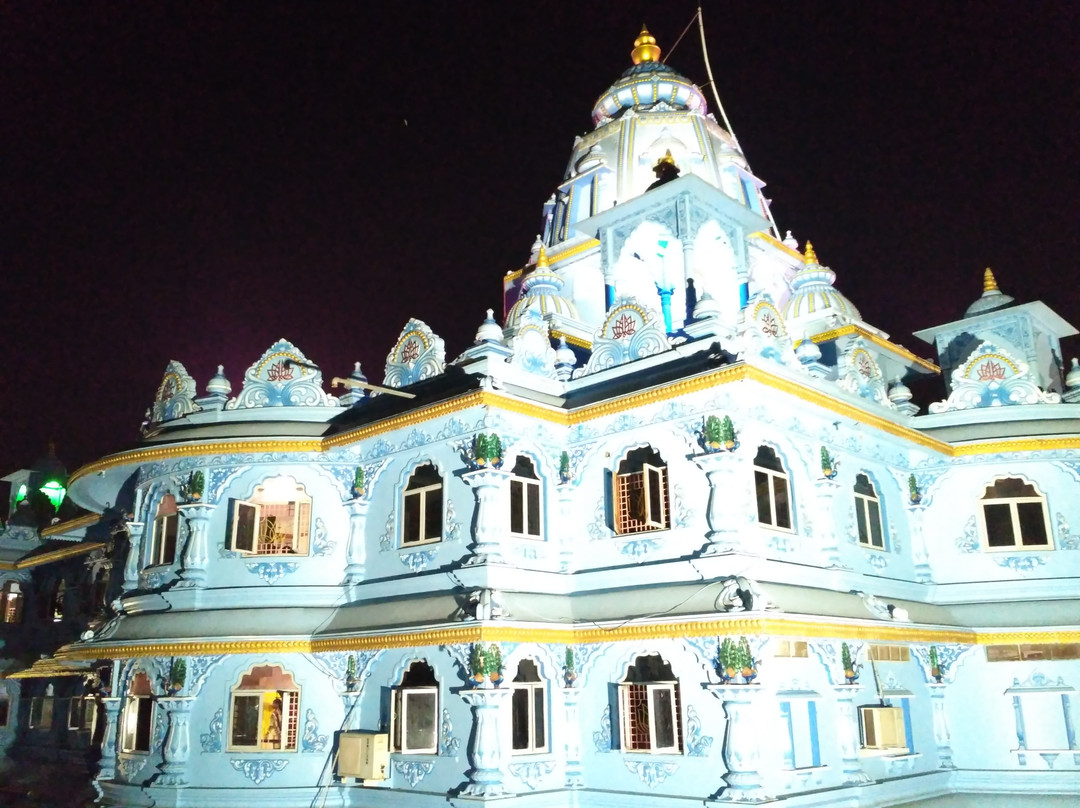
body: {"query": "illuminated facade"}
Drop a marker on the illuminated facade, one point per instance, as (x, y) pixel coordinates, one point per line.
(675, 529)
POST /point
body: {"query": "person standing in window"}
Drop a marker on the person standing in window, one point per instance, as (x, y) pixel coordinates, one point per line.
(273, 733)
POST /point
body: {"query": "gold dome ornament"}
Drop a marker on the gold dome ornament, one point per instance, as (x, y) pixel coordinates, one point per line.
(809, 256)
(542, 259)
(664, 164)
(989, 281)
(645, 48)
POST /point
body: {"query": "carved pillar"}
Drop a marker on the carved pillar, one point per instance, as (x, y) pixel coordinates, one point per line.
(492, 521)
(356, 552)
(566, 547)
(825, 522)
(575, 770)
(919, 554)
(942, 737)
(847, 730)
(107, 764)
(177, 747)
(721, 470)
(131, 563)
(196, 551)
(742, 738)
(486, 745)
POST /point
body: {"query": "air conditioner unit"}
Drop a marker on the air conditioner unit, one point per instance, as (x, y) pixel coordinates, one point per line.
(882, 727)
(364, 755)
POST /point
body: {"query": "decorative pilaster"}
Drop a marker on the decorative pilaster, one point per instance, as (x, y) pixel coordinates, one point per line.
(742, 738)
(356, 552)
(919, 554)
(942, 736)
(107, 763)
(826, 521)
(566, 547)
(485, 748)
(575, 770)
(848, 733)
(196, 550)
(173, 769)
(491, 524)
(721, 470)
(131, 563)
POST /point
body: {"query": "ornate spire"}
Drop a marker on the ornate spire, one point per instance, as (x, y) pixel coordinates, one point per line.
(810, 256)
(542, 259)
(989, 282)
(645, 48)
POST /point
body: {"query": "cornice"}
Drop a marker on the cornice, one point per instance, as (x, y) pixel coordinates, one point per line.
(71, 524)
(508, 632)
(892, 347)
(54, 555)
(630, 401)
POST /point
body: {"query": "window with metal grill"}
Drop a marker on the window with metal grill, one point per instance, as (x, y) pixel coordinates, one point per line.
(649, 708)
(640, 496)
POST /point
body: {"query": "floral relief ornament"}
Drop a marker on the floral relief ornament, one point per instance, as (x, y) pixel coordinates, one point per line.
(258, 771)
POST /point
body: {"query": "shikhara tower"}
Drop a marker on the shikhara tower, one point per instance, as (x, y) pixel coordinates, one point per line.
(673, 529)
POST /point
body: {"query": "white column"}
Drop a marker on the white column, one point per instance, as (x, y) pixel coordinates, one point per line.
(745, 782)
(131, 563)
(575, 771)
(721, 470)
(492, 521)
(177, 747)
(356, 552)
(485, 747)
(942, 736)
(196, 552)
(847, 730)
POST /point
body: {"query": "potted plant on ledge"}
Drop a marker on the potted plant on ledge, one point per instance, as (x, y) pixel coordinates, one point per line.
(851, 669)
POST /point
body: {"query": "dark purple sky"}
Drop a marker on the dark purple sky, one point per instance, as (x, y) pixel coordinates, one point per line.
(193, 181)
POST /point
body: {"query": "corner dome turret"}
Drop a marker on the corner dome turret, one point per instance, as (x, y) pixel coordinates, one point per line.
(648, 84)
(991, 299)
(813, 297)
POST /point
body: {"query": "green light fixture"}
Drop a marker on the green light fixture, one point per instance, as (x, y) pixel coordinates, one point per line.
(55, 492)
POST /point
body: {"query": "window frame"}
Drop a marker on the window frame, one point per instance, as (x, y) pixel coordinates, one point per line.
(262, 530)
(795, 751)
(12, 602)
(423, 494)
(164, 533)
(651, 484)
(771, 476)
(289, 729)
(400, 700)
(138, 707)
(631, 708)
(531, 688)
(865, 526)
(525, 505)
(1014, 514)
(44, 718)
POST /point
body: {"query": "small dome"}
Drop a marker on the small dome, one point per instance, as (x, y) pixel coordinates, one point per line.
(564, 354)
(647, 83)
(992, 298)
(218, 384)
(899, 393)
(813, 295)
(489, 330)
(807, 352)
(540, 291)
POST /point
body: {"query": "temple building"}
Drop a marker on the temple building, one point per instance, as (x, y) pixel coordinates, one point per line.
(671, 528)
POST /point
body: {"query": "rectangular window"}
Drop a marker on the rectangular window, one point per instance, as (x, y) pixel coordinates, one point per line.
(163, 543)
(790, 648)
(415, 720)
(999, 525)
(271, 528)
(77, 714)
(890, 653)
(883, 728)
(264, 720)
(525, 508)
(12, 602)
(137, 723)
(650, 717)
(528, 718)
(800, 718)
(422, 519)
(41, 712)
(1032, 652)
(773, 502)
(641, 500)
(1044, 721)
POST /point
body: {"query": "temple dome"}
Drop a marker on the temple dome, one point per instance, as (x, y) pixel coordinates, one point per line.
(991, 299)
(813, 296)
(647, 83)
(541, 291)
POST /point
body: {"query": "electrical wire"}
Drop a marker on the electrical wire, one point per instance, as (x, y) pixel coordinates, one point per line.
(677, 41)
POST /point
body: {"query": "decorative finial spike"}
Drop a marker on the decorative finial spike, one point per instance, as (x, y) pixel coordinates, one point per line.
(810, 256)
(645, 48)
(989, 281)
(542, 259)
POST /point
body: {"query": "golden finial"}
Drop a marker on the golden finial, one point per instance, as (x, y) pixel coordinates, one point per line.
(542, 259)
(645, 48)
(667, 159)
(989, 282)
(809, 255)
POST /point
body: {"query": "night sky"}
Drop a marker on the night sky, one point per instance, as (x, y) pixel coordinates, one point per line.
(194, 181)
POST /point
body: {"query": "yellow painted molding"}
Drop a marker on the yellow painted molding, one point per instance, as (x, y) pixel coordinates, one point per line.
(71, 524)
(775, 242)
(892, 347)
(570, 252)
(572, 340)
(1028, 637)
(54, 555)
(1016, 445)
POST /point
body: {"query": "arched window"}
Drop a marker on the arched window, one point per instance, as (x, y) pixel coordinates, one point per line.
(1014, 514)
(163, 535)
(529, 710)
(12, 602)
(525, 500)
(649, 707)
(59, 594)
(275, 521)
(771, 486)
(422, 507)
(415, 719)
(265, 713)
(868, 513)
(137, 719)
(640, 497)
